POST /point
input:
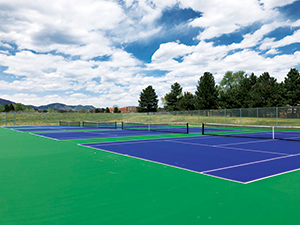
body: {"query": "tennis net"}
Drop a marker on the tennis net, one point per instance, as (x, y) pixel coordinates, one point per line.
(159, 127)
(69, 123)
(289, 133)
(100, 125)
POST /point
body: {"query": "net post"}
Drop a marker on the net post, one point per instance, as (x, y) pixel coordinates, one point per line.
(187, 128)
(122, 125)
(273, 132)
(202, 128)
(115, 125)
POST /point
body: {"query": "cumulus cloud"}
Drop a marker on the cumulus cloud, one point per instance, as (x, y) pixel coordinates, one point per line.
(74, 49)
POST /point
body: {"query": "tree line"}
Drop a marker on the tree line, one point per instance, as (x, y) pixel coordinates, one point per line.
(236, 90)
(18, 107)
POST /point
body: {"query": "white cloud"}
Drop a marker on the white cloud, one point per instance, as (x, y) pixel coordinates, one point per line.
(88, 29)
(224, 17)
(171, 50)
(291, 39)
(270, 4)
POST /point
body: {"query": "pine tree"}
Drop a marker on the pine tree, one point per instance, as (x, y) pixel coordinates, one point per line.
(186, 102)
(148, 100)
(292, 87)
(172, 99)
(206, 96)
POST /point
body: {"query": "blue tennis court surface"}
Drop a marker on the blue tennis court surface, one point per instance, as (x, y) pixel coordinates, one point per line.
(49, 128)
(237, 159)
(94, 134)
(99, 133)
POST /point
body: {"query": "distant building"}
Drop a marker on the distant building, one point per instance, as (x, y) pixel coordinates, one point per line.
(128, 109)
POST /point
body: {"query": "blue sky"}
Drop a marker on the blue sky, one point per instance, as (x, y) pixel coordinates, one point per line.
(103, 53)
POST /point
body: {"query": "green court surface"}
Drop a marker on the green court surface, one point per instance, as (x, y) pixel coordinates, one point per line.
(44, 181)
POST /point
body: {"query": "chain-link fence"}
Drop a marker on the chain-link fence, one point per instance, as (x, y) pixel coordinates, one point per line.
(277, 116)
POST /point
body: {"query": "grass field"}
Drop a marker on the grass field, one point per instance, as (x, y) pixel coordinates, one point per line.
(263, 116)
(43, 181)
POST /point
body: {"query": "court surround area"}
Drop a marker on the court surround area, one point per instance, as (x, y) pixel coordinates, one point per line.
(68, 173)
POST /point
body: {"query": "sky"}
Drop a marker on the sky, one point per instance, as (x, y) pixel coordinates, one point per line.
(104, 53)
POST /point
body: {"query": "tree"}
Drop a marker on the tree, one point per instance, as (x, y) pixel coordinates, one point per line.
(20, 107)
(247, 100)
(148, 100)
(292, 87)
(6, 108)
(82, 111)
(231, 80)
(11, 107)
(186, 102)
(267, 92)
(172, 99)
(206, 96)
(97, 110)
(229, 90)
(107, 110)
(2, 108)
(117, 110)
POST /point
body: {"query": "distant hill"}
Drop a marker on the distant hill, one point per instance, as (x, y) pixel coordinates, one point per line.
(4, 102)
(63, 107)
(57, 106)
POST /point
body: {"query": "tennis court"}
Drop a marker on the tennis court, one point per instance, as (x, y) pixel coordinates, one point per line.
(105, 130)
(137, 176)
(234, 159)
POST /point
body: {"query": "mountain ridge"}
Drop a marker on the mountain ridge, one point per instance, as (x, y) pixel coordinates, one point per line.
(57, 106)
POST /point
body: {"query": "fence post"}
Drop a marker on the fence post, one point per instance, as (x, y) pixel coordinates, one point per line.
(14, 118)
(257, 115)
(224, 116)
(240, 116)
(5, 119)
(159, 117)
(210, 116)
(187, 116)
(198, 117)
(276, 116)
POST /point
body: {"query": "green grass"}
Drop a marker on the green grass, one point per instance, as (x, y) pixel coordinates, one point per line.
(193, 118)
(44, 181)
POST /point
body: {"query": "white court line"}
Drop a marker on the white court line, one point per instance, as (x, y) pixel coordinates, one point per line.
(121, 142)
(248, 142)
(253, 150)
(223, 178)
(201, 172)
(230, 148)
(274, 175)
(161, 163)
(148, 160)
(39, 135)
(96, 133)
(289, 138)
(251, 163)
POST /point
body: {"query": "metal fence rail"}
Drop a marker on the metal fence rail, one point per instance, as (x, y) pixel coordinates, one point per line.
(276, 116)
